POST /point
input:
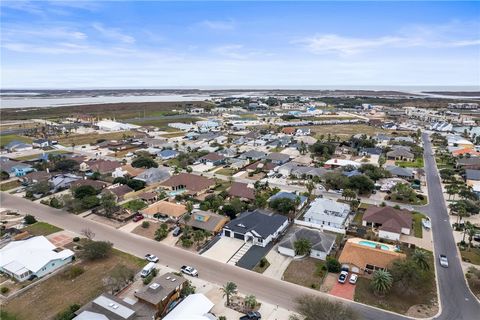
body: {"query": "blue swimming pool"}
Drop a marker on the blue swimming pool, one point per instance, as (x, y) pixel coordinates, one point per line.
(373, 245)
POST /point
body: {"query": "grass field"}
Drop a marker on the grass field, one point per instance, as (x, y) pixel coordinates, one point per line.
(88, 138)
(10, 185)
(35, 156)
(226, 172)
(41, 229)
(6, 139)
(418, 163)
(417, 224)
(471, 255)
(345, 130)
(58, 292)
(173, 134)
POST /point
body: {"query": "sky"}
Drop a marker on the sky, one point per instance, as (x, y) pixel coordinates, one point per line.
(153, 44)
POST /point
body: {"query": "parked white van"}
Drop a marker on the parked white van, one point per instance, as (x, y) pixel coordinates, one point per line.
(147, 269)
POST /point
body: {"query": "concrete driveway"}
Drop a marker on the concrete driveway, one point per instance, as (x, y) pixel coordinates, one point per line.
(223, 249)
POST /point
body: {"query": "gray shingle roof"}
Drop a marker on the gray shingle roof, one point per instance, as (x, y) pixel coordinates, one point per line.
(258, 221)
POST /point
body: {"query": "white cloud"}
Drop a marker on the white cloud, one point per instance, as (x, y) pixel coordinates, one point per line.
(218, 24)
(113, 33)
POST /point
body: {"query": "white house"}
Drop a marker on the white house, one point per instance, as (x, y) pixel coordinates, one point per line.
(195, 307)
(321, 242)
(109, 125)
(256, 227)
(34, 257)
(326, 214)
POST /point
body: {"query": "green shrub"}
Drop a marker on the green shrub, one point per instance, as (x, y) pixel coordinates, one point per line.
(333, 265)
(4, 290)
(29, 219)
(68, 314)
(76, 239)
(73, 271)
(145, 224)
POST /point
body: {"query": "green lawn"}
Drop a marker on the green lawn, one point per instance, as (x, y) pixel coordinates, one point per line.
(41, 229)
(418, 163)
(135, 205)
(6, 139)
(35, 156)
(226, 172)
(357, 220)
(417, 224)
(471, 255)
(10, 185)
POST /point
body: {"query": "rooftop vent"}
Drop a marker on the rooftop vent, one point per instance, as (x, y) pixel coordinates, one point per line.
(154, 286)
(173, 280)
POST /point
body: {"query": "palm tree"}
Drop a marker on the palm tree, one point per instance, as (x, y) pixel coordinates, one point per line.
(228, 289)
(349, 194)
(310, 186)
(250, 301)
(471, 232)
(421, 259)
(189, 206)
(381, 282)
(302, 247)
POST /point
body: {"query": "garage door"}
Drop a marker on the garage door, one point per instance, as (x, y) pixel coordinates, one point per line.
(355, 270)
(227, 233)
(239, 236)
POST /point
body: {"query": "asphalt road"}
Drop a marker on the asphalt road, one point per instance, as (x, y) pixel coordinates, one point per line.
(276, 292)
(456, 299)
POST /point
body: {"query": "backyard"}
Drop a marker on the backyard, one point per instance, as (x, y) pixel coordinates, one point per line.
(57, 293)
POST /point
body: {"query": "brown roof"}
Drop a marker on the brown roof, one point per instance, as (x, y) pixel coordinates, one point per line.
(213, 157)
(190, 181)
(103, 166)
(132, 171)
(360, 255)
(148, 195)
(265, 166)
(289, 130)
(241, 190)
(97, 184)
(160, 288)
(37, 176)
(205, 220)
(165, 208)
(391, 219)
(119, 190)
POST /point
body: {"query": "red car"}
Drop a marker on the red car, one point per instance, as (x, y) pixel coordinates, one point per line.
(138, 217)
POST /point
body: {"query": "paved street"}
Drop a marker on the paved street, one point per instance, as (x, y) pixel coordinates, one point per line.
(457, 301)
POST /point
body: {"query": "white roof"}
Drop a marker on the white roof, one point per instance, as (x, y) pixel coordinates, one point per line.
(342, 162)
(88, 315)
(31, 254)
(328, 210)
(113, 125)
(193, 307)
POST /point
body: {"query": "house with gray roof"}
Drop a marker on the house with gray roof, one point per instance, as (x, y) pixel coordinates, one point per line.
(406, 173)
(253, 155)
(15, 146)
(258, 227)
(153, 175)
(400, 154)
(322, 243)
(278, 158)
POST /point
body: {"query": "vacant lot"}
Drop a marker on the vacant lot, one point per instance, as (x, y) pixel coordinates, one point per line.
(91, 138)
(6, 139)
(163, 122)
(306, 272)
(41, 229)
(35, 156)
(147, 232)
(55, 294)
(345, 130)
(10, 185)
(226, 172)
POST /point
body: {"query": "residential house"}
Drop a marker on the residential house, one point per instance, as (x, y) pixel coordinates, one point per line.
(321, 242)
(33, 257)
(213, 159)
(119, 190)
(242, 191)
(404, 173)
(253, 155)
(400, 154)
(336, 163)
(96, 184)
(110, 307)
(188, 182)
(41, 143)
(162, 292)
(36, 176)
(164, 210)
(17, 146)
(302, 200)
(260, 166)
(278, 158)
(154, 175)
(63, 181)
(289, 130)
(149, 197)
(389, 222)
(195, 306)
(370, 151)
(256, 227)
(167, 154)
(205, 220)
(472, 178)
(228, 152)
(101, 166)
(326, 214)
(362, 256)
(127, 171)
(469, 163)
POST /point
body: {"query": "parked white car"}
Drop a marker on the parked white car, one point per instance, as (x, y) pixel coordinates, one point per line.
(191, 271)
(353, 278)
(151, 258)
(342, 278)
